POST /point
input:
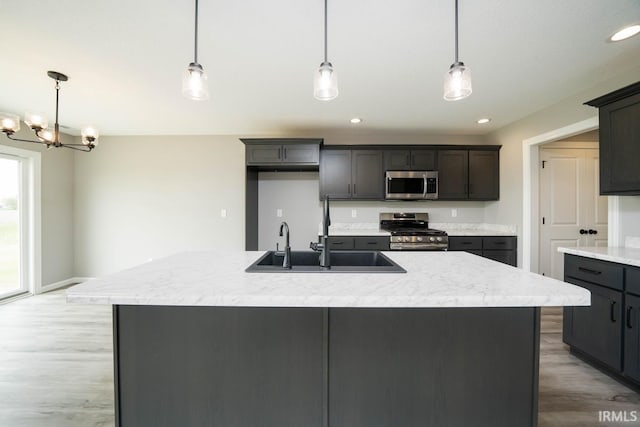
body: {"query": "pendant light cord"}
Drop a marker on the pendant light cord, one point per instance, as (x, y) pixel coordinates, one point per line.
(456, 31)
(325, 30)
(195, 53)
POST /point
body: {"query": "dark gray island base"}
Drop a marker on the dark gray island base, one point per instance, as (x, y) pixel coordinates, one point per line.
(319, 367)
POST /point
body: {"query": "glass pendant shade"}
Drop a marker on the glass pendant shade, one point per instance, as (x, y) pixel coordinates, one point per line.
(325, 83)
(9, 123)
(90, 135)
(457, 82)
(36, 120)
(194, 83)
(47, 136)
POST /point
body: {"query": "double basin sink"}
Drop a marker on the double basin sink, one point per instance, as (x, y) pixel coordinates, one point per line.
(341, 262)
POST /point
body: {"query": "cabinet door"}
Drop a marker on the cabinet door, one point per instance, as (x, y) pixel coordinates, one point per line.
(453, 174)
(301, 153)
(484, 175)
(261, 154)
(367, 175)
(423, 160)
(632, 337)
(465, 243)
(620, 146)
(397, 160)
(335, 174)
(597, 329)
(504, 256)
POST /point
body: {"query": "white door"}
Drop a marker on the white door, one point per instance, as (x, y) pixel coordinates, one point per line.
(573, 214)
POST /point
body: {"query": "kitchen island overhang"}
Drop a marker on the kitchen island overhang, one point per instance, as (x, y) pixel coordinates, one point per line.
(197, 342)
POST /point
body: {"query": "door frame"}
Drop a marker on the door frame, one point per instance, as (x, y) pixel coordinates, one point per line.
(531, 190)
(30, 216)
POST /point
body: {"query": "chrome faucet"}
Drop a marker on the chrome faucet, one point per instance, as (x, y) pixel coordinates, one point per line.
(286, 262)
(325, 255)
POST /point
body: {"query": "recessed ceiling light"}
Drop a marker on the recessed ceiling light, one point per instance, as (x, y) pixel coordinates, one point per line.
(356, 120)
(484, 120)
(625, 33)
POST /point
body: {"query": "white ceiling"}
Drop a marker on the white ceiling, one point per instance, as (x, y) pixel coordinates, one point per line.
(125, 60)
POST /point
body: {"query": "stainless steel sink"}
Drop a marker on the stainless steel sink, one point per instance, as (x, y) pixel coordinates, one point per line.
(341, 262)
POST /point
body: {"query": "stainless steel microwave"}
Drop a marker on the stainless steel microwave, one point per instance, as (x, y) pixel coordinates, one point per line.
(411, 185)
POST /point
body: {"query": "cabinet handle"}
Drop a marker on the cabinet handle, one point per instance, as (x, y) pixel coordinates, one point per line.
(467, 243)
(337, 243)
(590, 271)
(371, 243)
(629, 323)
(499, 243)
(408, 160)
(593, 231)
(613, 311)
(354, 189)
(349, 188)
(279, 153)
(285, 153)
(582, 231)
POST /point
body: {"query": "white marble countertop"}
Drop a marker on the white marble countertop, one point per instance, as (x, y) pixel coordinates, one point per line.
(629, 256)
(433, 279)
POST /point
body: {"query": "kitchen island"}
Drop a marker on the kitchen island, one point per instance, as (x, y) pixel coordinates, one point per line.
(454, 341)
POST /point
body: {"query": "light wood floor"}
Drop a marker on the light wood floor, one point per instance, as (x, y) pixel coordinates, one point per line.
(56, 369)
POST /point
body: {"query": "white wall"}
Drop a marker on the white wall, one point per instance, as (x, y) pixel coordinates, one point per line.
(146, 197)
(629, 217)
(56, 206)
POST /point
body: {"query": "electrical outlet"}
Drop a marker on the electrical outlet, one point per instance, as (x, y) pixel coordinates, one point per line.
(279, 213)
(223, 213)
(454, 213)
(354, 213)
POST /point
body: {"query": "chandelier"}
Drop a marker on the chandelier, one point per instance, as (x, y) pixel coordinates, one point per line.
(10, 124)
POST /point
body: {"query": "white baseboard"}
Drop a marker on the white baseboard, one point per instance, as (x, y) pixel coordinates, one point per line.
(63, 283)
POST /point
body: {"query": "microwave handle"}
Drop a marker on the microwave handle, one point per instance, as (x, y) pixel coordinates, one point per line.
(388, 178)
(424, 194)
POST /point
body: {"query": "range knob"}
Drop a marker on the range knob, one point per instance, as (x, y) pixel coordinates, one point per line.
(439, 239)
(407, 239)
(432, 239)
(419, 239)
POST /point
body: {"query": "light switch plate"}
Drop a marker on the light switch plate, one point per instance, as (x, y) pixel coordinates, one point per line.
(279, 213)
(454, 213)
(223, 213)
(354, 213)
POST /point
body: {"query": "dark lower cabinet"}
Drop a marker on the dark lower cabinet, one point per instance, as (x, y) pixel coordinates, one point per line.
(596, 329)
(359, 243)
(608, 331)
(497, 248)
(632, 337)
(438, 367)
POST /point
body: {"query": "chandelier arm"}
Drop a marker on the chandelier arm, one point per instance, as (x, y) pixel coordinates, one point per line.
(23, 140)
(74, 147)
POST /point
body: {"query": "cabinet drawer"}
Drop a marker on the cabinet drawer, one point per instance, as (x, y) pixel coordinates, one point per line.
(499, 243)
(632, 280)
(341, 243)
(594, 271)
(458, 243)
(373, 243)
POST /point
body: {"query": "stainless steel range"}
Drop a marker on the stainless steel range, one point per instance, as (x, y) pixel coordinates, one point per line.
(410, 231)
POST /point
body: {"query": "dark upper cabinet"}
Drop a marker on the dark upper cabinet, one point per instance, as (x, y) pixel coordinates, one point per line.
(418, 159)
(453, 174)
(282, 152)
(335, 174)
(352, 174)
(469, 174)
(367, 174)
(619, 113)
(484, 175)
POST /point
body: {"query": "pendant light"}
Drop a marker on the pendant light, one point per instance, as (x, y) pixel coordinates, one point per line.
(457, 81)
(325, 81)
(194, 80)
